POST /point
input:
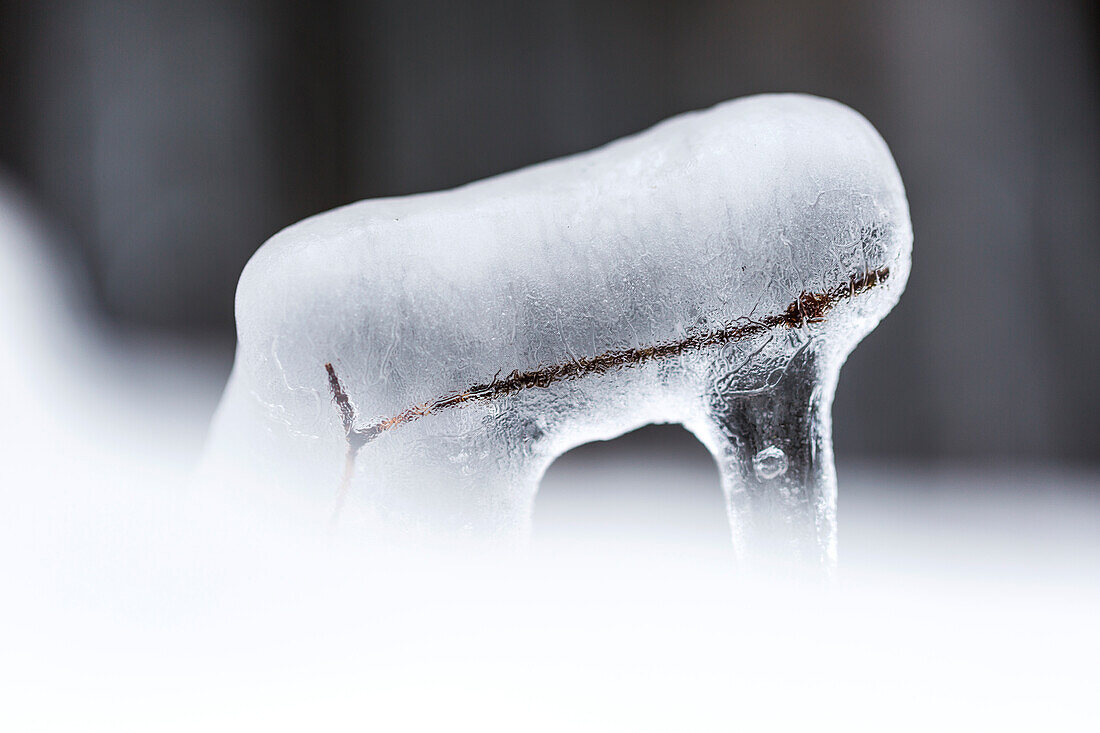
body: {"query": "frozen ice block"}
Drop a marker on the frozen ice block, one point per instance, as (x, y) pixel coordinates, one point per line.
(418, 362)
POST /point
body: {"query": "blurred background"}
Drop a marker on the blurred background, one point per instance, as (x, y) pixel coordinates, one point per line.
(162, 142)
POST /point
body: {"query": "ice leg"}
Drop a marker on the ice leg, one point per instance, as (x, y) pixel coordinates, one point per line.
(774, 453)
(451, 499)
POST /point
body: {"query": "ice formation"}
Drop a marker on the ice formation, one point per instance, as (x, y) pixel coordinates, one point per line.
(418, 362)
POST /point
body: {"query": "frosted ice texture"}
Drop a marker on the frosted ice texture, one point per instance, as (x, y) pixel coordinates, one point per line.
(418, 362)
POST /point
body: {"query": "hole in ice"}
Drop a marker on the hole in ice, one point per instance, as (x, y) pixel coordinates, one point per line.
(654, 487)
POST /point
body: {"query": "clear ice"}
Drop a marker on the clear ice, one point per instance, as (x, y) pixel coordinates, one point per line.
(415, 364)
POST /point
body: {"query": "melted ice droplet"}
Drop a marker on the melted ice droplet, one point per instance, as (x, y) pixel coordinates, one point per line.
(769, 463)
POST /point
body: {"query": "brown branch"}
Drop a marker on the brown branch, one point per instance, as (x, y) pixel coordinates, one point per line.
(347, 417)
(809, 307)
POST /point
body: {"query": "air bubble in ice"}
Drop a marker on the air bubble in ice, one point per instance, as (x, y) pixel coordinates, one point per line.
(770, 463)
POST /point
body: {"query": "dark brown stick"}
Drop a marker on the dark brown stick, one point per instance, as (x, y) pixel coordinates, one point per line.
(807, 308)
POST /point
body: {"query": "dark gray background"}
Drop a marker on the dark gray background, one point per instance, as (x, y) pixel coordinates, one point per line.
(168, 139)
